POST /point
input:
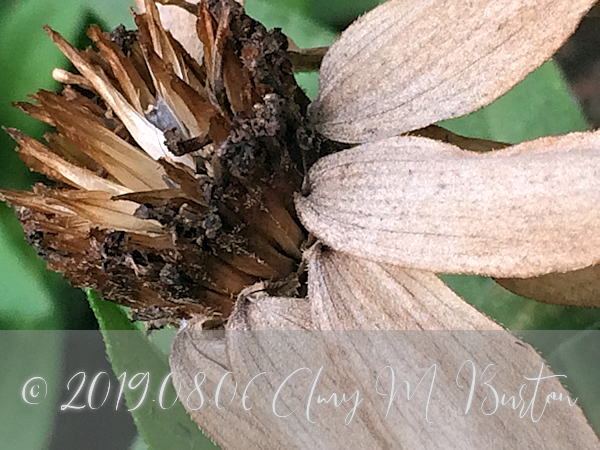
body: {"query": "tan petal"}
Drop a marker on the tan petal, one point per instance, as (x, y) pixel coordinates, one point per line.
(407, 64)
(196, 351)
(524, 211)
(132, 84)
(39, 158)
(578, 288)
(181, 23)
(353, 361)
(149, 137)
(255, 311)
(351, 293)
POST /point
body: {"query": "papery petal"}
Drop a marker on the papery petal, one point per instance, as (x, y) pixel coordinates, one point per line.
(149, 137)
(195, 350)
(201, 357)
(180, 19)
(261, 312)
(524, 211)
(181, 23)
(407, 64)
(349, 293)
(353, 363)
(577, 288)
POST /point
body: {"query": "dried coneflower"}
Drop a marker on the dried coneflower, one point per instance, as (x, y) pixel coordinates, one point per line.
(181, 184)
(176, 179)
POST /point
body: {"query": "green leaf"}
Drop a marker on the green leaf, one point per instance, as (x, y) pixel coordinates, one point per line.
(26, 298)
(518, 313)
(25, 426)
(31, 297)
(575, 353)
(339, 13)
(131, 352)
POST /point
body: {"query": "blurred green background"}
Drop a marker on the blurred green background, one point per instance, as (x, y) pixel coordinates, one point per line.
(32, 298)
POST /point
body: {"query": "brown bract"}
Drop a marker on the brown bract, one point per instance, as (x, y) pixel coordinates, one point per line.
(203, 186)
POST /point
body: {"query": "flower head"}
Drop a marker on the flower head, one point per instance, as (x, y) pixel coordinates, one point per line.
(186, 185)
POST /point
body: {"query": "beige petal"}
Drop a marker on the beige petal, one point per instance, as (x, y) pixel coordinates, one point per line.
(353, 360)
(409, 63)
(256, 311)
(525, 211)
(194, 351)
(578, 288)
(351, 293)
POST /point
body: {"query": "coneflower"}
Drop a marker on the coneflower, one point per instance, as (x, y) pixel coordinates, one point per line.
(181, 184)
(176, 179)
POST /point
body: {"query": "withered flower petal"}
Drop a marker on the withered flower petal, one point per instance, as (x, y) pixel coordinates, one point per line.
(386, 76)
(523, 211)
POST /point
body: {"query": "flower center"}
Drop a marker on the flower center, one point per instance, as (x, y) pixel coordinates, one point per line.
(177, 177)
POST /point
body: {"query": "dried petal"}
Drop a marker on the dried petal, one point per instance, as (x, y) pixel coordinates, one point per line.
(407, 64)
(524, 211)
(39, 158)
(355, 361)
(349, 293)
(194, 349)
(578, 288)
(256, 311)
(149, 137)
(131, 82)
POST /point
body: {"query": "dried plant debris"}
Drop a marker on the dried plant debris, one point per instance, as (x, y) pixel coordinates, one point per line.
(176, 179)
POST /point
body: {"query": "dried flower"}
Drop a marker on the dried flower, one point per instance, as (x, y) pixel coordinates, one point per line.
(186, 185)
